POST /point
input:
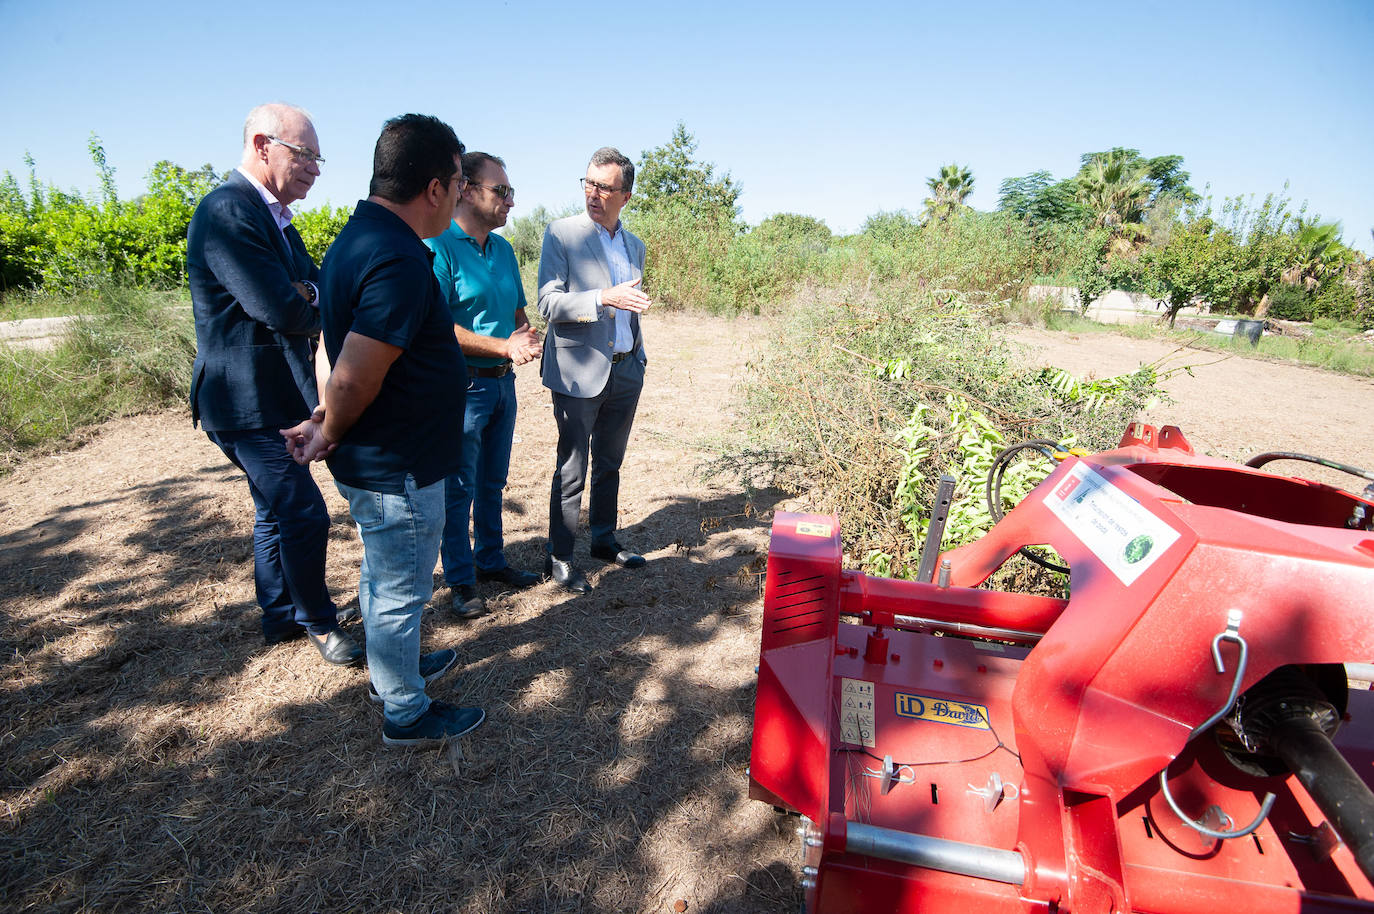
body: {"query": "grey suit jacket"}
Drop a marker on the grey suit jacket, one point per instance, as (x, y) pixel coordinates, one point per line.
(581, 334)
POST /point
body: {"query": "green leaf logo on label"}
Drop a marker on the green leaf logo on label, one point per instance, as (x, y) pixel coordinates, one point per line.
(1138, 548)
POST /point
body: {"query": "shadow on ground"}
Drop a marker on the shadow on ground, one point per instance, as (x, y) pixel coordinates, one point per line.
(156, 757)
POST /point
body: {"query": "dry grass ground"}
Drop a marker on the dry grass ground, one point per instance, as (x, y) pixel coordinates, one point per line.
(157, 758)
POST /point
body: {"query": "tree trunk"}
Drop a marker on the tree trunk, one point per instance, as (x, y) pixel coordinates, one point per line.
(1263, 307)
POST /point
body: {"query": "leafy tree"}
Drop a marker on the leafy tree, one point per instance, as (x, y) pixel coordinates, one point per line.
(670, 176)
(1164, 174)
(948, 191)
(793, 228)
(319, 227)
(1039, 199)
(526, 233)
(890, 226)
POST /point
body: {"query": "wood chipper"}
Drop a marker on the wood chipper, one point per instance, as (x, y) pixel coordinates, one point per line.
(1182, 734)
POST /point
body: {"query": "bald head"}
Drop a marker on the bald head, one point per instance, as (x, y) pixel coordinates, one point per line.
(280, 149)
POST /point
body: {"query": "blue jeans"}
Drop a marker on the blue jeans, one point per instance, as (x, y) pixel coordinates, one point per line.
(488, 428)
(400, 536)
(290, 531)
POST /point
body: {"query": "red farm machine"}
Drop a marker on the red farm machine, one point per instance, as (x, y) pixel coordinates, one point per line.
(1185, 733)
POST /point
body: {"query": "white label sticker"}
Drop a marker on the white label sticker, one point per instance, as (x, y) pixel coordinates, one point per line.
(1117, 528)
(856, 713)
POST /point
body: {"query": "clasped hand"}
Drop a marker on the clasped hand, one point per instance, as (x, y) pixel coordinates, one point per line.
(306, 442)
(524, 345)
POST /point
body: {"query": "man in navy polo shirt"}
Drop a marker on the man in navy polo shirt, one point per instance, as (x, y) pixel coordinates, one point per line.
(480, 279)
(392, 425)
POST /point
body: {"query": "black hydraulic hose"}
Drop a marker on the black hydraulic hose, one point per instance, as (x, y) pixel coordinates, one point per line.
(1261, 459)
(1334, 786)
(993, 490)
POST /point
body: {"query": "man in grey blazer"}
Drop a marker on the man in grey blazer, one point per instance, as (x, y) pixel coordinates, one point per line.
(589, 275)
(254, 296)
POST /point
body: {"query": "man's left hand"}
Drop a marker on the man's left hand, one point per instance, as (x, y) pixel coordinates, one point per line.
(306, 442)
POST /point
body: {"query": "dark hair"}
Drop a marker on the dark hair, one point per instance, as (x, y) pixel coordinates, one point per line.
(609, 155)
(413, 150)
(473, 162)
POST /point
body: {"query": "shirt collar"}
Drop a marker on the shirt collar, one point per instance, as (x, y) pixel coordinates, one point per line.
(606, 234)
(280, 211)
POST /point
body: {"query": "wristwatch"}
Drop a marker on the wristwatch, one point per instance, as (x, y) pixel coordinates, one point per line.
(312, 294)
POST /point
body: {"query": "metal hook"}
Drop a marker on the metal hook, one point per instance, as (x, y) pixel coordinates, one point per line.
(1232, 634)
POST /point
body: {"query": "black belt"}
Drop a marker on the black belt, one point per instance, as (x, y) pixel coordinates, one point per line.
(620, 357)
(488, 371)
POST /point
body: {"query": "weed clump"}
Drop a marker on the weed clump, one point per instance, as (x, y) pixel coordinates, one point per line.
(865, 399)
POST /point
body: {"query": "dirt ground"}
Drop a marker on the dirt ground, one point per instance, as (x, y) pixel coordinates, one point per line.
(157, 757)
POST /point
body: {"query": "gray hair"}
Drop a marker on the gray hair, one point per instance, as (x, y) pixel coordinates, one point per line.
(609, 155)
(267, 119)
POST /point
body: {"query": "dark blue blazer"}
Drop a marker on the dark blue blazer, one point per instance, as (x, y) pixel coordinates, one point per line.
(254, 332)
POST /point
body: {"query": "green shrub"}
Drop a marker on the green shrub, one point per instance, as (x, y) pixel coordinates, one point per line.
(1290, 303)
(131, 353)
(319, 227)
(867, 399)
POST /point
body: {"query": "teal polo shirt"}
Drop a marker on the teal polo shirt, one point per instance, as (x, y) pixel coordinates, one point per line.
(482, 288)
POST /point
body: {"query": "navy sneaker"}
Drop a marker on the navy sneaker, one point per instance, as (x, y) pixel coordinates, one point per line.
(432, 666)
(440, 723)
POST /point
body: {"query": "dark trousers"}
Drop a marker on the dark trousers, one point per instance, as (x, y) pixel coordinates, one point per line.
(596, 430)
(289, 534)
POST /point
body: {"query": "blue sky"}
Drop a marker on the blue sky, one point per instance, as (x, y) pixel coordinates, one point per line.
(833, 110)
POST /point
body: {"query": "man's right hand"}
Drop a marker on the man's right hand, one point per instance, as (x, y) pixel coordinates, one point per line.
(523, 345)
(627, 297)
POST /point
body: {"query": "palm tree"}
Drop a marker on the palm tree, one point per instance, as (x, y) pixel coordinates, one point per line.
(1116, 189)
(1318, 254)
(948, 191)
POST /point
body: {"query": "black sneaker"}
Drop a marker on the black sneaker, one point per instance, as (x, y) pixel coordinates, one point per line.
(432, 666)
(440, 723)
(510, 577)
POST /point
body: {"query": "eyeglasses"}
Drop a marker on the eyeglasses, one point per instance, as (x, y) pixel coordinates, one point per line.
(300, 152)
(596, 187)
(504, 191)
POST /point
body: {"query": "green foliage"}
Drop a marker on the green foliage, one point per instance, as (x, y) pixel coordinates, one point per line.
(890, 227)
(131, 353)
(669, 176)
(319, 227)
(1039, 199)
(1290, 303)
(526, 233)
(65, 242)
(948, 191)
(870, 397)
(784, 229)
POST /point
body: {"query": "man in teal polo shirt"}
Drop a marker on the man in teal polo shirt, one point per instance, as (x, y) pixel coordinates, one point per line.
(480, 279)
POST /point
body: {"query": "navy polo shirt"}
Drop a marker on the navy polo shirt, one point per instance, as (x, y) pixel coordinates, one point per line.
(377, 281)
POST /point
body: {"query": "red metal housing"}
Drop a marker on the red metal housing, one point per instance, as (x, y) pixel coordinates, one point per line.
(1038, 747)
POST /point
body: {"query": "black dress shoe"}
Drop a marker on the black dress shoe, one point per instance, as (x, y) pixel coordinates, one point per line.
(465, 602)
(337, 647)
(614, 552)
(283, 636)
(566, 574)
(511, 577)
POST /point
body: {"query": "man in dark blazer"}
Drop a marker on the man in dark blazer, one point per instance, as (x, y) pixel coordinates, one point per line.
(589, 275)
(254, 296)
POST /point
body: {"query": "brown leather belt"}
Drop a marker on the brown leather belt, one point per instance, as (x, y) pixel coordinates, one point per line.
(488, 371)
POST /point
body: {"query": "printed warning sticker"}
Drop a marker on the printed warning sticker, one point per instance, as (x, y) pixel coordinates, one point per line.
(856, 713)
(807, 528)
(1117, 528)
